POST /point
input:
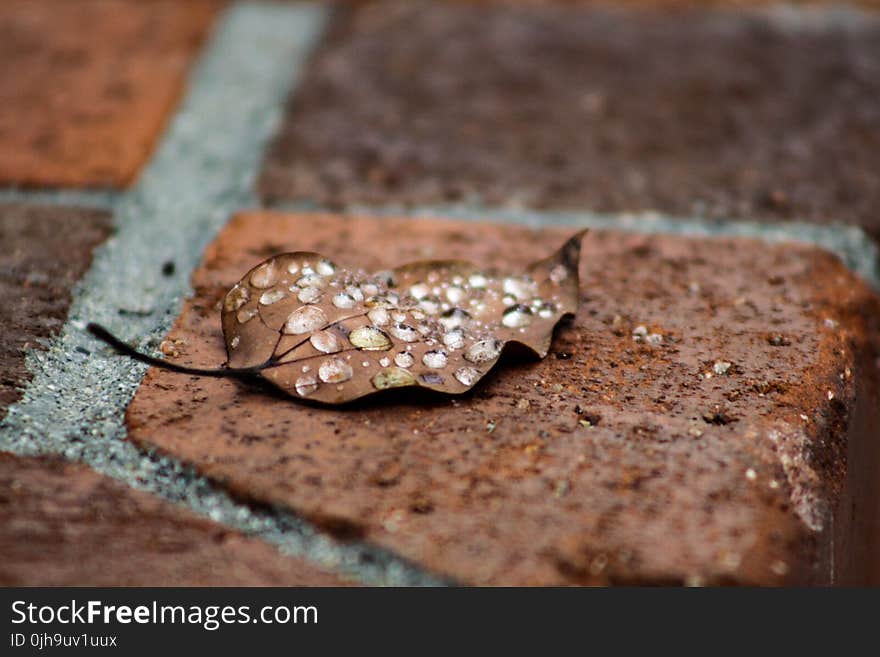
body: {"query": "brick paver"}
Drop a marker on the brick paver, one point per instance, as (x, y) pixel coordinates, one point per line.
(65, 525)
(90, 84)
(45, 252)
(692, 424)
(744, 114)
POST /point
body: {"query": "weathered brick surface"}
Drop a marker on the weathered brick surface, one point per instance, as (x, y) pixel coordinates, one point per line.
(45, 252)
(734, 442)
(65, 525)
(89, 85)
(735, 114)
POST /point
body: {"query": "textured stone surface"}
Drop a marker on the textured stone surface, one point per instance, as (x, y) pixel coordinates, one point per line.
(45, 252)
(66, 525)
(91, 85)
(750, 114)
(691, 424)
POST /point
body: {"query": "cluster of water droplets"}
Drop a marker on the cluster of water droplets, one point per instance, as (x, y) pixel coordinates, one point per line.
(443, 322)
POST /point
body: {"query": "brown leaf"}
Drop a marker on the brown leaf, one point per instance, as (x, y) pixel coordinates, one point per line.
(324, 333)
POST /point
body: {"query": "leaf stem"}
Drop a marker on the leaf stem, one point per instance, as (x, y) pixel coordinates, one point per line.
(127, 350)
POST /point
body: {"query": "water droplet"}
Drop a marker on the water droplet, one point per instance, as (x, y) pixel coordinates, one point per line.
(343, 300)
(558, 274)
(312, 280)
(385, 277)
(419, 291)
(455, 294)
(237, 297)
(325, 267)
(326, 342)
(404, 332)
(366, 363)
(293, 267)
(272, 296)
(392, 378)
(385, 361)
(404, 359)
(467, 375)
(306, 385)
(246, 314)
(477, 281)
(484, 351)
(547, 310)
(335, 370)
(430, 305)
(309, 295)
(370, 289)
(369, 338)
(235, 342)
(304, 320)
(435, 359)
(520, 288)
(432, 378)
(454, 339)
(264, 276)
(454, 317)
(379, 316)
(355, 292)
(517, 316)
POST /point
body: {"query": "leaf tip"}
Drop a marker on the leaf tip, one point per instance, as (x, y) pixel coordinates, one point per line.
(571, 251)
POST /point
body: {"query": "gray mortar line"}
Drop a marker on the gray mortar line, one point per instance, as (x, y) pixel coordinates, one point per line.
(203, 171)
(105, 199)
(850, 243)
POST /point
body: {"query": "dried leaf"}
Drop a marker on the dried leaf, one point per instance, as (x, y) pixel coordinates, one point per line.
(327, 334)
(324, 333)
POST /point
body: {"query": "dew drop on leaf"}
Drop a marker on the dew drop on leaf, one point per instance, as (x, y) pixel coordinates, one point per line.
(272, 296)
(264, 276)
(379, 316)
(483, 351)
(404, 332)
(392, 378)
(335, 370)
(325, 342)
(309, 295)
(517, 316)
(246, 314)
(467, 375)
(435, 359)
(325, 267)
(454, 339)
(237, 297)
(343, 300)
(369, 338)
(304, 320)
(306, 385)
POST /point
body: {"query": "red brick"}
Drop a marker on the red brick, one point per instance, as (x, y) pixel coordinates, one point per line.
(724, 114)
(669, 4)
(91, 86)
(677, 477)
(45, 252)
(65, 525)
